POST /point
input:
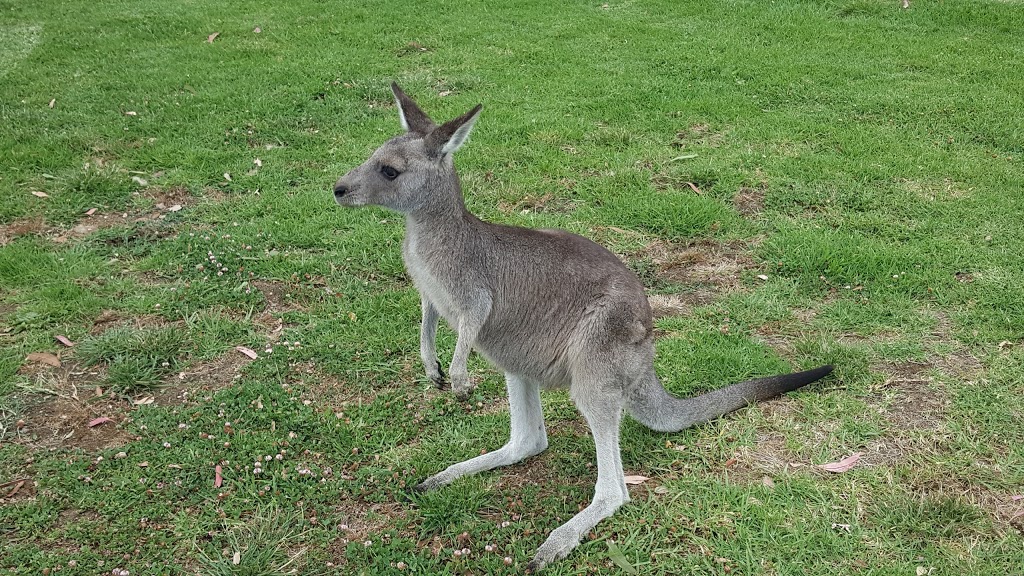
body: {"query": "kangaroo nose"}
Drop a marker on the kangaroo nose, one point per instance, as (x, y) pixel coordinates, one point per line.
(340, 190)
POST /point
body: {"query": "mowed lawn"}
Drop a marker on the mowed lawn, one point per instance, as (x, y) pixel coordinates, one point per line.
(795, 182)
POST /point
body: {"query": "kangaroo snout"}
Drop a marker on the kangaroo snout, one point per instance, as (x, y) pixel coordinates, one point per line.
(342, 192)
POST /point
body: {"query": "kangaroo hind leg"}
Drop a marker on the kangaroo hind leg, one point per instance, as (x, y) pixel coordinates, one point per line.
(601, 404)
(528, 436)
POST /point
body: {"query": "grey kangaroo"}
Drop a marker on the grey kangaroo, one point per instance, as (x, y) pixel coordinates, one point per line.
(549, 308)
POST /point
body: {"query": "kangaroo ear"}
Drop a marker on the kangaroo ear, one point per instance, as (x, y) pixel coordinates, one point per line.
(452, 134)
(413, 119)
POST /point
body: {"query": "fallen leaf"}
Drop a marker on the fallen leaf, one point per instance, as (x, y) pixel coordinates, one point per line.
(14, 490)
(762, 277)
(616, 556)
(236, 558)
(661, 490)
(131, 113)
(217, 478)
(53, 103)
(845, 527)
(39, 194)
(64, 340)
(212, 37)
(175, 466)
(636, 479)
(90, 211)
(44, 358)
(730, 462)
(248, 352)
(144, 401)
(444, 93)
(227, 176)
(694, 187)
(101, 420)
(1017, 497)
(140, 181)
(256, 30)
(768, 482)
(144, 464)
(258, 162)
(906, 4)
(174, 208)
(842, 465)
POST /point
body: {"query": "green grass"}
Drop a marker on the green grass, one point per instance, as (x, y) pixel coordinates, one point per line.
(877, 154)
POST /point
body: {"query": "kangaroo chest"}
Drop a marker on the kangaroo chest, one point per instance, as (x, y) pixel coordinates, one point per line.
(434, 282)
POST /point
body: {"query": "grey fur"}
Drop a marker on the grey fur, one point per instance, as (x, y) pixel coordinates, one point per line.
(549, 308)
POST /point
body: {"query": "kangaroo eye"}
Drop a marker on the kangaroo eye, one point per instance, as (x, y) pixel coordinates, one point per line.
(389, 172)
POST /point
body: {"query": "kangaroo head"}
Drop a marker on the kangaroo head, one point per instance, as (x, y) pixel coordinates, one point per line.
(411, 171)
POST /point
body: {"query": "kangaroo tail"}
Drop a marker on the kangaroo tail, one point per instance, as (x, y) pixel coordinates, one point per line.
(655, 408)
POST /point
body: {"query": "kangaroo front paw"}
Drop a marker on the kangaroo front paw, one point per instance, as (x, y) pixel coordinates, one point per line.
(436, 375)
(462, 386)
(557, 546)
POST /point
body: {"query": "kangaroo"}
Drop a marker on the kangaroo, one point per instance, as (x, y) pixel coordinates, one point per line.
(549, 308)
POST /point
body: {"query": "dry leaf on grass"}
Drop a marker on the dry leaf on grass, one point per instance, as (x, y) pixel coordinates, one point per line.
(140, 181)
(212, 37)
(218, 479)
(636, 479)
(90, 211)
(39, 194)
(842, 465)
(44, 358)
(175, 208)
(13, 491)
(101, 420)
(64, 340)
(53, 102)
(248, 352)
(694, 187)
(143, 401)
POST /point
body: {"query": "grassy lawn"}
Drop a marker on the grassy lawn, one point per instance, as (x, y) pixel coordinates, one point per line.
(796, 182)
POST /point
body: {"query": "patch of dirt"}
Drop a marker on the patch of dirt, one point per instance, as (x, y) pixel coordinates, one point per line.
(706, 269)
(959, 363)
(749, 201)
(933, 190)
(201, 379)
(71, 402)
(914, 403)
(165, 201)
(698, 135)
(31, 226)
(358, 520)
(279, 298)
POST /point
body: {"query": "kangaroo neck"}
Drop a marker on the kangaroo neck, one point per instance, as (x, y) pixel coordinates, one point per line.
(444, 213)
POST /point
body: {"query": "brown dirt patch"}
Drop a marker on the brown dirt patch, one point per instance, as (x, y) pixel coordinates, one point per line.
(913, 402)
(61, 419)
(31, 226)
(704, 268)
(700, 134)
(165, 200)
(702, 263)
(749, 201)
(201, 379)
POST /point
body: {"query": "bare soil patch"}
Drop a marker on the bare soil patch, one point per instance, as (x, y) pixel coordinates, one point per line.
(72, 400)
(201, 379)
(706, 270)
(749, 201)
